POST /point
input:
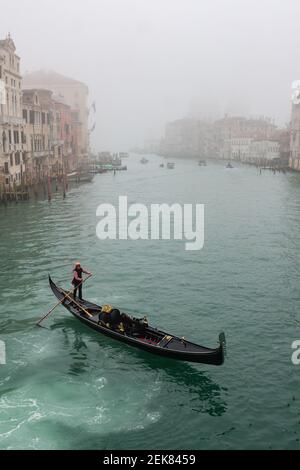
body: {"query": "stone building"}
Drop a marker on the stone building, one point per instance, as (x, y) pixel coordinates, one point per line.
(247, 139)
(191, 138)
(43, 145)
(64, 133)
(240, 148)
(12, 138)
(75, 95)
(248, 150)
(76, 138)
(294, 160)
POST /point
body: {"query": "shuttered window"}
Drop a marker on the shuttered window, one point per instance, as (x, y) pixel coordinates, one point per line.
(31, 117)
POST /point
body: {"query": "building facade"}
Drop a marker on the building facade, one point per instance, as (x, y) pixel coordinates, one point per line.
(294, 160)
(75, 95)
(191, 138)
(12, 137)
(64, 133)
(236, 135)
(248, 150)
(43, 151)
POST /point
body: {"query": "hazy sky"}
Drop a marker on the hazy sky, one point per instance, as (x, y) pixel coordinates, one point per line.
(150, 61)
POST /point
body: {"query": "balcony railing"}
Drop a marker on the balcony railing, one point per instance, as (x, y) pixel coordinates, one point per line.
(57, 142)
(16, 121)
(41, 153)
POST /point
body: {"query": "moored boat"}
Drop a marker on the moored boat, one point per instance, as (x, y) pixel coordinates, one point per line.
(99, 171)
(80, 177)
(171, 166)
(137, 332)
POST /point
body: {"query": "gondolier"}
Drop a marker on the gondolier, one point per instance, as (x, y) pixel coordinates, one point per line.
(77, 279)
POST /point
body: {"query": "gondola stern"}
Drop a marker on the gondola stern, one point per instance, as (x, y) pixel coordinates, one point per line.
(222, 341)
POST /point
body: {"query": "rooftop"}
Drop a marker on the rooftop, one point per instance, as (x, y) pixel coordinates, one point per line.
(46, 78)
(8, 43)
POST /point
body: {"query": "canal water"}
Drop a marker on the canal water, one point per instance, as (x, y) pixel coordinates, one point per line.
(65, 387)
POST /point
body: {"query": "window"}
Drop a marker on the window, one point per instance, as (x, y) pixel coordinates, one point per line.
(43, 118)
(31, 117)
(9, 136)
(23, 137)
(6, 170)
(25, 115)
(4, 141)
(16, 137)
(11, 160)
(37, 117)
(48, 119)
(17, 159)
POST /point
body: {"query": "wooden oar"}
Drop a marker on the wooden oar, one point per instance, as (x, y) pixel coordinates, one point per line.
(58, 303)
(78, 305)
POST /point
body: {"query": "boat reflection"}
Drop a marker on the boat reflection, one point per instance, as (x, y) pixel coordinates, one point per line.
(204, 395)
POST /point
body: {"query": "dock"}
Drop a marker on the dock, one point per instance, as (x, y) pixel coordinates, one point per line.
(13, 194)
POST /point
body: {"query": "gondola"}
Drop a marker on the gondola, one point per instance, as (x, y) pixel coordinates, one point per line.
(136, 332)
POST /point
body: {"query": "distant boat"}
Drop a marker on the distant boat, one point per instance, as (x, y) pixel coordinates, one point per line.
(80, 177)
(229, 165)
(171, 166)
(202, 163)
(144, 160)
(104, 168)
(161, 165)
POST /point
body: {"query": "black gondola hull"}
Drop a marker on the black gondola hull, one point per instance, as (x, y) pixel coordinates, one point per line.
(181, 350)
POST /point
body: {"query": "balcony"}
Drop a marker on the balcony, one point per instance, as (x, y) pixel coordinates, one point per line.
(15, 121)
(41, 153)
(57, 142)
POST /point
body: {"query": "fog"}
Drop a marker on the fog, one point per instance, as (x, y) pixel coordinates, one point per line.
(150, 61)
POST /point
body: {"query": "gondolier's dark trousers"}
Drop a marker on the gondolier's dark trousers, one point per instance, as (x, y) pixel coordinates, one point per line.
(79, 290)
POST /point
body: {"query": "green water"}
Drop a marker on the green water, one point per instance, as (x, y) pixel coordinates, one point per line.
(68, 388)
